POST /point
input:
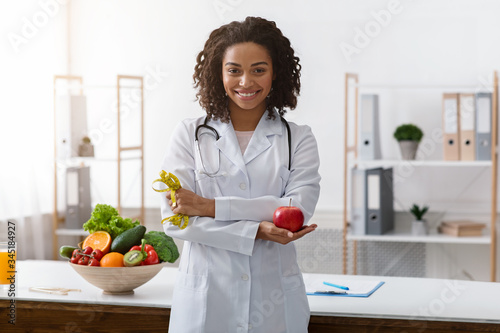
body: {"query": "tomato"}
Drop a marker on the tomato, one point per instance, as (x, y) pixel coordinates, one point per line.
(75, 257)
(87, 250)
(94, 262)
(97, 254)
(84, 260)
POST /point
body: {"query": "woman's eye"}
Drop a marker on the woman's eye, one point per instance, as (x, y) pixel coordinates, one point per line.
(232, 71)
(260, 70)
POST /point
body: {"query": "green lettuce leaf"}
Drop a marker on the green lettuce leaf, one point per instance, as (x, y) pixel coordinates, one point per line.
(106, 218)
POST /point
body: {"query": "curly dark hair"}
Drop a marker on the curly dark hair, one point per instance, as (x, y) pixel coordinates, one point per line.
(207, 75)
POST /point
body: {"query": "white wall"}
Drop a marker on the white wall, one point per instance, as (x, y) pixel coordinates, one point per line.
(420, 43)
(32, 50)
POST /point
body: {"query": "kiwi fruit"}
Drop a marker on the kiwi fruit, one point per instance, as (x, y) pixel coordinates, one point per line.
(133, 258)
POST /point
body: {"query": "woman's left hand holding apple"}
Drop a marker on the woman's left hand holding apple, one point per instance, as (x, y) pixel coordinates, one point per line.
(268, 231)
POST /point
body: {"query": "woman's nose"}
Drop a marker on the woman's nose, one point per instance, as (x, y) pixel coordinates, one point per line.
(245, 81)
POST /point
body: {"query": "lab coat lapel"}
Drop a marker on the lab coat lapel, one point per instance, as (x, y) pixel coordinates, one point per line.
(260, 141)
(228, 144)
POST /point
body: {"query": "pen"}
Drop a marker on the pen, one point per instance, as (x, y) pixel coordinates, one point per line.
(335, 285)
(319, 292)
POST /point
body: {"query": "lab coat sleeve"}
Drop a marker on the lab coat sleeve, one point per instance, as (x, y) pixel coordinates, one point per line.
(179, 160)
(302, 186)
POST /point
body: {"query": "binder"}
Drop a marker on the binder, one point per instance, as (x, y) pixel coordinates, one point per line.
(372, 211)
(380, 210)
(483, 126)
(369, 147)
(467, 110)
(78, 201)
(451, 125)
(71, 124)
(358, 216)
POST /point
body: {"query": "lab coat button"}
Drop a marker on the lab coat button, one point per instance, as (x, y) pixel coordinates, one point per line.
(243, 186)
(250, 326)
(244, 277)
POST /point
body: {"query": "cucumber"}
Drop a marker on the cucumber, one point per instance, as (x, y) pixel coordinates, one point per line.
(66, 251)
(124, 241)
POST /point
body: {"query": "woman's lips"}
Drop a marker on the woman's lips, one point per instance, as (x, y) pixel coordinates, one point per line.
(247, 95)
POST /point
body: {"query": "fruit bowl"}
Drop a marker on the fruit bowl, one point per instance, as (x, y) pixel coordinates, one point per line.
(117, 280)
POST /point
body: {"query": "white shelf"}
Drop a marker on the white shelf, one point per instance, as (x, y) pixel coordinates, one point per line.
(422, 163)
(79, 159)
(94, 86)
(421, 86)
(431, 238)
(71, 232)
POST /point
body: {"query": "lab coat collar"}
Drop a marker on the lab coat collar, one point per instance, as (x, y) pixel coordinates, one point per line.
(228, 143)
(260, 138)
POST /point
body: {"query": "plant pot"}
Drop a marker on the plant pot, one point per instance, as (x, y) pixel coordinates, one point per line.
(419, 228)
(408, 149)
(86, 150)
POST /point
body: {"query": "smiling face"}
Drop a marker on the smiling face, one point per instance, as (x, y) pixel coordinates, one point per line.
(247, 75)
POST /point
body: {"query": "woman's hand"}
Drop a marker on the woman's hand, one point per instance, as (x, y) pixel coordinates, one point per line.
(268, 231)
(191, 204)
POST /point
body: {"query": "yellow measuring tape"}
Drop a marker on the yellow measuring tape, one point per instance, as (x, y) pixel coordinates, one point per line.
(173, 184)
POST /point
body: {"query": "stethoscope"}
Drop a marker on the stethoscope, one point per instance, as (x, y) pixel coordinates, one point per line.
(216, 135)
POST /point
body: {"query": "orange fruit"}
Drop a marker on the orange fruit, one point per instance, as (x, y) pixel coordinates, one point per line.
(98, 240)
(112, 259)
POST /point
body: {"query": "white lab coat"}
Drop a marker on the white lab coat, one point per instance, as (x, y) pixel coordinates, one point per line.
(229, 282)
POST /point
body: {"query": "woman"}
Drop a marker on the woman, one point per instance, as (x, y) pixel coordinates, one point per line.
(238, 271)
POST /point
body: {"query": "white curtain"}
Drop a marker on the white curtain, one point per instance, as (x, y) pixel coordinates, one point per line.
(32, 51)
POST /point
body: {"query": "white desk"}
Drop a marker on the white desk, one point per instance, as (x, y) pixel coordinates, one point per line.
(401, 304)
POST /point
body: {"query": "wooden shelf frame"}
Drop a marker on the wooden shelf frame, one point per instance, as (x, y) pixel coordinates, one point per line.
(56, 219)
(139, 148)
(352, 82)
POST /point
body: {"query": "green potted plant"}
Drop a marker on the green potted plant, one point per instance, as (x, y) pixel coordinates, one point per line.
(419, 226)
(408, 137)
(86, 149)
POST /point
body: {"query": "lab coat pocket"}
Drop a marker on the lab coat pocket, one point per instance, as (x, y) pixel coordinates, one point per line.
(297, 311)
(189, 304)
(292, 282)
(205, 185)
(284, 175)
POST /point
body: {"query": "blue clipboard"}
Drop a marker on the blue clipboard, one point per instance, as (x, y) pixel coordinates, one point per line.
(346, 293)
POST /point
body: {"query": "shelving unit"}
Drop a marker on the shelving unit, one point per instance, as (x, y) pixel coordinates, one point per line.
(352, 84)
(119, 159)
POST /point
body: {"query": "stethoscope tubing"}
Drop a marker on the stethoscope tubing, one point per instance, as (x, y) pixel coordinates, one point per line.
(205, 125)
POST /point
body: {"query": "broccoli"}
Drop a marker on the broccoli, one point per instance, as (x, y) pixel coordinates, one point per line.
(164, 245)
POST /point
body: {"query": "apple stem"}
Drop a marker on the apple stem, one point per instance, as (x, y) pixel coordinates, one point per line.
(290, 204)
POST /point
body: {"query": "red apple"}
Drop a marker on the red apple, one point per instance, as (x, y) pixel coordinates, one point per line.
(288, 217)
